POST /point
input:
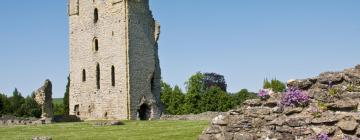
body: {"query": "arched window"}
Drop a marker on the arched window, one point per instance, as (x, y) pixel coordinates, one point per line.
(96, 15)
(113, 76)
(83, 75)
(96, 44)
(98, 76)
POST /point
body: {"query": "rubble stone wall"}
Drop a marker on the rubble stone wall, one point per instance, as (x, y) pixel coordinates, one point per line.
(332, 111)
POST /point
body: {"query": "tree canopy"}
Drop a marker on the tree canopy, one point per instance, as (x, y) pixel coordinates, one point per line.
(204, 92)
(19, 106)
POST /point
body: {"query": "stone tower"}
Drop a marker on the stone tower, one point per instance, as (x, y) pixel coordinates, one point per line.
(114, 64)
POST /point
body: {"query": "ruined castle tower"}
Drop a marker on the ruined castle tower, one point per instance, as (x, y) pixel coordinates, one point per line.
(114, 64)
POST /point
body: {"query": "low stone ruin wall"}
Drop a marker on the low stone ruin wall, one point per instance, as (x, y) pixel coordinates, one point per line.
(7, 120)
(332, 112)
(206, 116)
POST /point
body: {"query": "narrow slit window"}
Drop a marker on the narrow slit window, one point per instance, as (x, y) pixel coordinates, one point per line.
(83, 75)
(113, 76)
(98, 76)
(96, 44)
(96, 15)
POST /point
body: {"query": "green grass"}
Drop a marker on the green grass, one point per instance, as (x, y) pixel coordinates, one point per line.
(132, 130)
(57, 101)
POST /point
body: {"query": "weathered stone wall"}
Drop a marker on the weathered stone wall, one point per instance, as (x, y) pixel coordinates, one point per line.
(43, 96)
(7, 120)
(123, 43)
(332, 114)
(144, 64)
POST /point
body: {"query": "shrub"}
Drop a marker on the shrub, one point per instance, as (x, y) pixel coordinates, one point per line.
(333, 91)
(295, 97)
(59, 109)
(30, 108)
(350, 88)
(322, 106)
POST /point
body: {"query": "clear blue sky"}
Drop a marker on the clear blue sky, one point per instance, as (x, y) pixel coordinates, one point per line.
(245, 40)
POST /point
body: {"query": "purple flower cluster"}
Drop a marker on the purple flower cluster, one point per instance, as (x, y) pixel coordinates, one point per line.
(331, 84)
(322, 136)
(295, 97)
(315, 111)
(263, 93)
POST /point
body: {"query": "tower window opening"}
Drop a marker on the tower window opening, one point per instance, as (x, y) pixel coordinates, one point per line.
(96, 44)
(98, 76)
(96, 15)
(113, 76)
(83, 75)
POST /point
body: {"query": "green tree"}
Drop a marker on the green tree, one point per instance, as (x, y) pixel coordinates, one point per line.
(165, 95)
(5, 104)
(176, 101)
(275, 85)
(203, 94)
(1, 104)
(195, 88)
(267, 84)
(172, 99)
(214, 79)
(15, 103)
(195, 84)
(242, 96)
(215, 99)
(30, 108)
(59, 109)
(66, 97)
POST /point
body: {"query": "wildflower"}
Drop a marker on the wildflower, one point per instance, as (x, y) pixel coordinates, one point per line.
(264, 94)
(315, 111)
(322, 136)
(331, 84)
(295, 97)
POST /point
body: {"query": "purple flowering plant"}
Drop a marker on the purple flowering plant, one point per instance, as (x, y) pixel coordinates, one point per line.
(315, 111)
(330, 84)
(332, 90)
(322, 136)
(264, 94)
(295, 97)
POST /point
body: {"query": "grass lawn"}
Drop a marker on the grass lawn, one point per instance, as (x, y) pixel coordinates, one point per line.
(132, 130)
